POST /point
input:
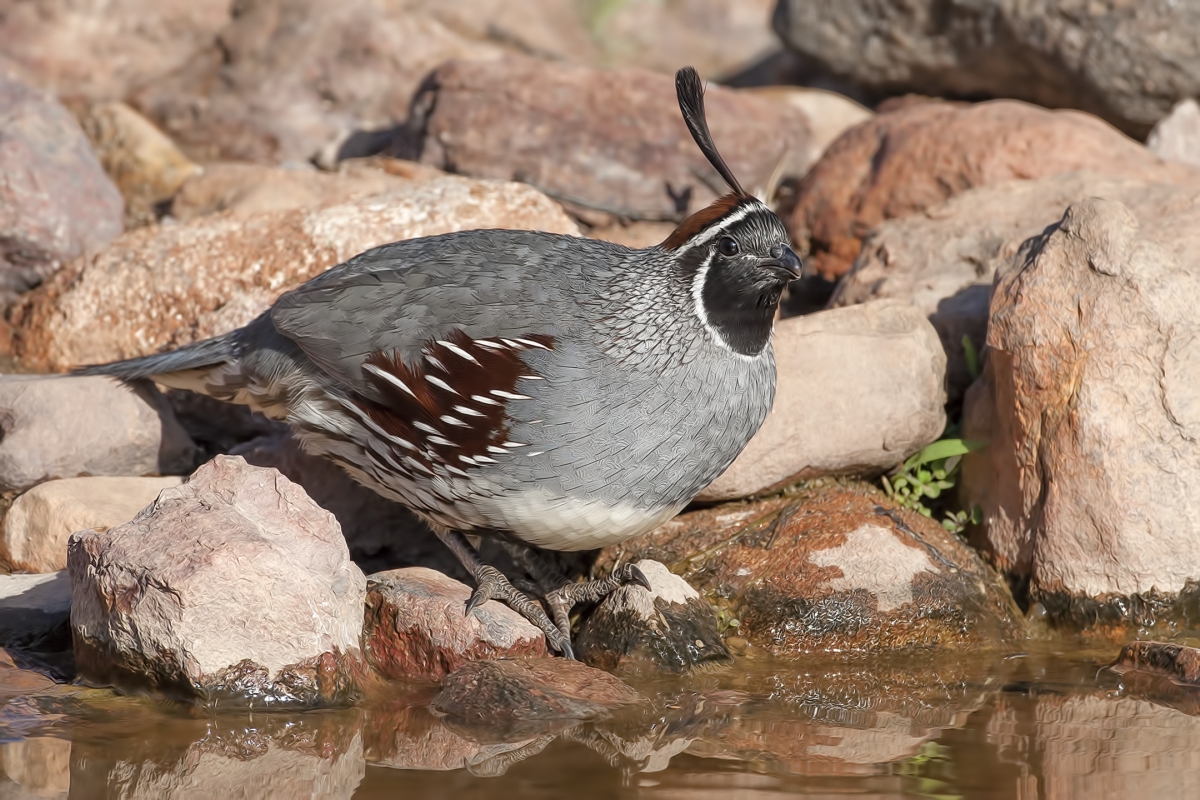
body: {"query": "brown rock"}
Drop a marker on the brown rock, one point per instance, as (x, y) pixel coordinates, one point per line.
(232, 588)
(666, 627)
(163, 287)
(146, 166)
(1176, 662)
(829, 113)
(34, 609)
(59, 427)
(38, 524)
(911, 159)
(1176, 137)
(495, 693)
(55, 200)
(610, 140)
(416, 627)
(1090, 403)
(834, 569)
(884, 370)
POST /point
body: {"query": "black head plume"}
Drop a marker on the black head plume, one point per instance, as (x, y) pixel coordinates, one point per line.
(690, 91)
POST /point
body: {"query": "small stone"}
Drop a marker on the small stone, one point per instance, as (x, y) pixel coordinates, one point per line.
(1176, 137)
(39, 523)
(416, 627)
(1177, 662)
(35, 610)
(64, 427)
(668, 627)
(506, 691)
(233, 588)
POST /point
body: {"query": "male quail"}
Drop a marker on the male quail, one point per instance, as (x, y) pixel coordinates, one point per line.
(552, 391)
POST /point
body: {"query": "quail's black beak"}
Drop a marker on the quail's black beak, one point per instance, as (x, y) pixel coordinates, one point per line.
(789, 264)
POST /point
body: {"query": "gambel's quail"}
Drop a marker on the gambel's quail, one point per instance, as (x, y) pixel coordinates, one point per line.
(550, 391)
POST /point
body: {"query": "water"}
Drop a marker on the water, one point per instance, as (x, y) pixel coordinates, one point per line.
(1042, 724)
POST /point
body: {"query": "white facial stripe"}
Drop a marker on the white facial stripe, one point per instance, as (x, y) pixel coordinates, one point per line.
(702, 314)
(710, 233)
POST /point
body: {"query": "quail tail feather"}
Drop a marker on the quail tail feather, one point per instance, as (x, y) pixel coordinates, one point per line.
(199, 355)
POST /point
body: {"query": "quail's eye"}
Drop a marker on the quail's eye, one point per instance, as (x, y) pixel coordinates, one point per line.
(727, 246)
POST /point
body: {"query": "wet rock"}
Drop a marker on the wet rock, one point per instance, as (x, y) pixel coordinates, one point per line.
(834, 568)
(34, 609)
(885, 370)
(829, 113)
(1176, 662)
(943, 260)
(416, 627)
(910, 159)
(162, 287)
(1075, 56)
(1176, 137)
(36, 767)
(57, 427)
(609, 140)
(146, 165)
(55, 200)
(667, 627)
(511, 691)
(1090, 404)
(233, 588)
(38, 524)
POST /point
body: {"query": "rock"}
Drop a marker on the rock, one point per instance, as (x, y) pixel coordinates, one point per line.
(34, 609)
(1090, 404)
(416, 627)
(285, 79)
(231, 588)
(60, 427)
(829, 113)
(40, 766)
(507, 691)
(1176, 662)
(146, 166)
(1125, 62)
(40, 521)
(252, 188)
(884, 369)
(1176, 137)
(943, 260)
(908, 160)
(101, 51)
(162, 287)
(55, 200)
(834, 568)
(217, 427)
(668, 627)
(608, 140)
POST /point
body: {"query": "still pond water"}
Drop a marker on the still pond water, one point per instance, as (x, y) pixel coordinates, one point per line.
(1034, 725)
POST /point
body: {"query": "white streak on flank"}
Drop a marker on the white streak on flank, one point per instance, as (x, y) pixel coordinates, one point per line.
(370, 423)
(487, 401)
(451, 420)
(535, 453)
(417, 465)
(470, 412)
(433, 360)
(491, 448)
(456, 471)
(440, 440)
(510, 395)
(458, 351)
(389, 377)
(511, 344)
(486, 460)
(489, 344)
(441, 384)
(515, 445)
(468, 460)
(530, 378)
(421, 426)
(531, 343)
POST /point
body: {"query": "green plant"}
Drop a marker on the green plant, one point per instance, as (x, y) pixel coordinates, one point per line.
(926, 474)
(972, 357)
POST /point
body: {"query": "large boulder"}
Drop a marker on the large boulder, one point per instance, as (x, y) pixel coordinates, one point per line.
(1125, 62)
(165, 286)
(610, 140)
(55, 200)
(35, 610)
(232, 588)
(60, 427)
(917, 156)
(883, 371)
(833, 568)
(1090, 404)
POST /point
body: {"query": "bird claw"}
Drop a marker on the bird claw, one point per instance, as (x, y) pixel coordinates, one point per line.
(490, 584)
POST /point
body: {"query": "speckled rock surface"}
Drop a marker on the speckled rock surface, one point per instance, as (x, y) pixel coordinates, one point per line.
(844, 571)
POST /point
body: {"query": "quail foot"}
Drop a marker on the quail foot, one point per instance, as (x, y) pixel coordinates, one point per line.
(550, 391)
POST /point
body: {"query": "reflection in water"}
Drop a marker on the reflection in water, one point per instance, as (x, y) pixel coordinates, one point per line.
(1029, 728)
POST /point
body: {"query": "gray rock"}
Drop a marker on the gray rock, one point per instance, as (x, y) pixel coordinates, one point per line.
(34, 609)
(1125, 62)
(859, 390)
(234, 587)
(667, 627)
(60, 427)
(55, 200)
(1090, 404)
(1176, 137)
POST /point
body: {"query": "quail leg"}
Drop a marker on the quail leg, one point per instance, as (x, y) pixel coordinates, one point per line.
(490, 584)
(562, 595)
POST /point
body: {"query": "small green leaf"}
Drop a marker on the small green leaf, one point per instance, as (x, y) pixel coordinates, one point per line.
(972, 357)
